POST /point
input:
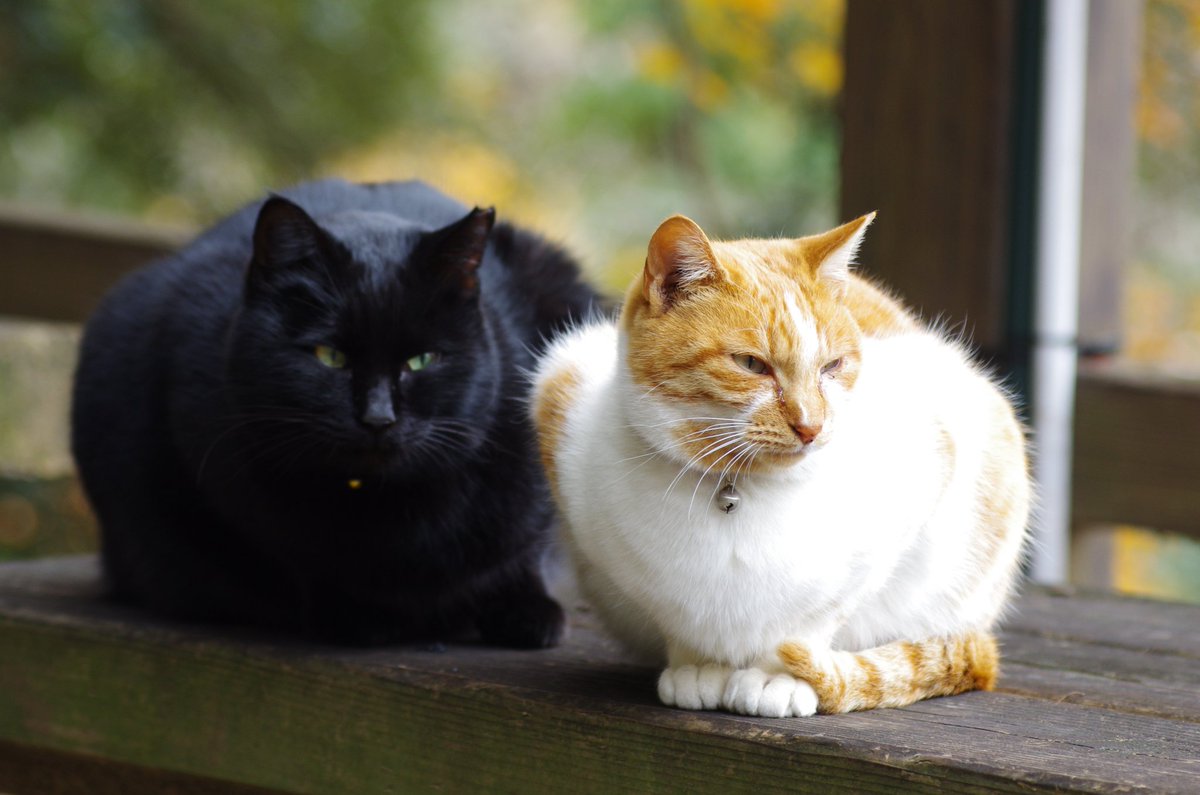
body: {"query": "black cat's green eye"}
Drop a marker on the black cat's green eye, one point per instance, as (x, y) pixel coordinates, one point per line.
(330, 356)
(420, 362)
(751, 363)
(831, 367)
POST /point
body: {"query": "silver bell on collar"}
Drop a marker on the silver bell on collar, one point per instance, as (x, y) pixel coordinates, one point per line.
(728, 498)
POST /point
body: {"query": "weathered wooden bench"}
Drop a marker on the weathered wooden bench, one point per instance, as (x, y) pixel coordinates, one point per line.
(1099, 694)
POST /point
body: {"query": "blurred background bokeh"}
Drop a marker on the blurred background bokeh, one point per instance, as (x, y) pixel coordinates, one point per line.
(588, 121)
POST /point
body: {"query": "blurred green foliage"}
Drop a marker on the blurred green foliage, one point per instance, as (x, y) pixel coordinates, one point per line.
(113, 103)
(41, 517)
(592, 120)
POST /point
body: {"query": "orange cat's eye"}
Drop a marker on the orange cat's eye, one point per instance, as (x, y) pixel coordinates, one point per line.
(751, 363)
(831, 367)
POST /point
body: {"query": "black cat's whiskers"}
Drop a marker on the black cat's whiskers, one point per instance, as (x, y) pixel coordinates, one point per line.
(445, 438)
(438, 455)
(258, 450)
(245, 420)
(467, 435)
(291, 454)
(293, 425)
(444, 456)
(444, 445)
(447, 441)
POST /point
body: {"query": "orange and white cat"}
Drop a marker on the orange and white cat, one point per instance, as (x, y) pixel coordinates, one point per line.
(775, 479)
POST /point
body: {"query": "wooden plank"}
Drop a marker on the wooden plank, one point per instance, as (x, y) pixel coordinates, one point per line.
(1071, 672)
(1060, 686)
(26, 769)
(1138, 624)
(1137, 449)
(1109, 159)
(1099, 658)
(57, 266)
(928, 106)
(85, 677)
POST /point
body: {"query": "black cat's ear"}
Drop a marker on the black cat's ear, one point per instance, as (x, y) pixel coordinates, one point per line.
(456, 251)
(284, 236)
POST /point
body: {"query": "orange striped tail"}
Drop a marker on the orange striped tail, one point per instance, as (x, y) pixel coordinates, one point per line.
(895, 674)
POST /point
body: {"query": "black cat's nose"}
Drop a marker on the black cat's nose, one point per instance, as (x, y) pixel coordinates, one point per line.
(379, 412)
(379, 419)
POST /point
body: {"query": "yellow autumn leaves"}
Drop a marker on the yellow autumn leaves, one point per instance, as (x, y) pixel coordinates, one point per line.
(715, 43)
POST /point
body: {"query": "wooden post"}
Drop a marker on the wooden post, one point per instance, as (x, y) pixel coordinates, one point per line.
(936, 118)
(927, 140)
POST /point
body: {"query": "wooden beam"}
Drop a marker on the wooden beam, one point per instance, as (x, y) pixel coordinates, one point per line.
(57, 266)
(1137, 449)
(928, 109)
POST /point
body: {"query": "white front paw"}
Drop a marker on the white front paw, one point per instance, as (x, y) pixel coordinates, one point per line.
(692, 687)
(753, 691)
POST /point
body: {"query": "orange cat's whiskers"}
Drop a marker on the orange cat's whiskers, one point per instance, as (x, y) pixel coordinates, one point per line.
(701, 435)
(745, 458)
(736, 452)
(651, 455)
(678, 443)
(725, 440)
(718, 420)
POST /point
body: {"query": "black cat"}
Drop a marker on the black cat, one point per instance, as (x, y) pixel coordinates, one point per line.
(312, 418)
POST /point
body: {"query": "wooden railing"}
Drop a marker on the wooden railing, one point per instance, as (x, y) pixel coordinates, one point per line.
(56, 265)
(1137, 449)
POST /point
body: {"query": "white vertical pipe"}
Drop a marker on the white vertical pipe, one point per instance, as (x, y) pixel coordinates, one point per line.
(1056, 311)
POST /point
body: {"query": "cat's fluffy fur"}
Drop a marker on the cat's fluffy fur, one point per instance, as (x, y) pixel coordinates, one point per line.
(883, 480)
(260, 444)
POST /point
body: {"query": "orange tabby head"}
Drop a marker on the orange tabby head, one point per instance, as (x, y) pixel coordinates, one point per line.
(741, 352)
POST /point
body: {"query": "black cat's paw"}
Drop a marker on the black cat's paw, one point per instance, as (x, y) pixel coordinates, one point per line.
(534, 622)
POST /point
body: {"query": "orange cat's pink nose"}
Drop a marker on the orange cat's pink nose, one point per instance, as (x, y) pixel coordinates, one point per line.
(807, 432)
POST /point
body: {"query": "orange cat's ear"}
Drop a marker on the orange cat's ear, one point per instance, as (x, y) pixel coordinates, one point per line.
(830, 254)
(679, 259)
